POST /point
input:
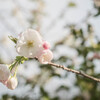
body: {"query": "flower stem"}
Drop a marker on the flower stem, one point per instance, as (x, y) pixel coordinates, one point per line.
(14, 66)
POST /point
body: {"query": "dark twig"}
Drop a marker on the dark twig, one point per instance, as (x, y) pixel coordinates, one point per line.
(75, 71)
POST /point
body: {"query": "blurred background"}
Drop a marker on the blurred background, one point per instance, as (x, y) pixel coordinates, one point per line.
(72, 27)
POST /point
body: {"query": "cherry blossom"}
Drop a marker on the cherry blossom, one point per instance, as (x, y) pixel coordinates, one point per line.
(45, 57)
(29, 43)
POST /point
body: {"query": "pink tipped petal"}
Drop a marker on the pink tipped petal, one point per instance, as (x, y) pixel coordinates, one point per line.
(4, 72)
(4, 82)
(46, 45)
(45, 57)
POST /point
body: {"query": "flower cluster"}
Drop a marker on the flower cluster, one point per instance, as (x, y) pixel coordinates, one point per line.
(28, 45)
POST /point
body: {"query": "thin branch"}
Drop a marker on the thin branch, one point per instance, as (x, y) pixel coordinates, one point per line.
(75, 71)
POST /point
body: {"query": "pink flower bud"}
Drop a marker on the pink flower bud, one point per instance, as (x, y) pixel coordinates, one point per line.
(46, 45)
(12, 83)
(45, 57)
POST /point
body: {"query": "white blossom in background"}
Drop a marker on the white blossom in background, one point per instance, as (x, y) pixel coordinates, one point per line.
(29, 43)
(4, 73)
(97, 3)
(12, 83)
(45, 57)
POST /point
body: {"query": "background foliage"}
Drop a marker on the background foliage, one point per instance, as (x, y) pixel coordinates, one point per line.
(77, 49)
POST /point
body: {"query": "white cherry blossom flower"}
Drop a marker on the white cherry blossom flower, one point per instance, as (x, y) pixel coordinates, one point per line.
(4, 73)
(45, 57)
(12, 83)
(97, 3)
(29, 43)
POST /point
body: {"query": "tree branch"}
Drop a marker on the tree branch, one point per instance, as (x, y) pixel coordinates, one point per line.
(75, 71)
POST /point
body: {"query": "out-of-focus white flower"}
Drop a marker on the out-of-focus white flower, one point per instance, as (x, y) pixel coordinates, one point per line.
(4, 73)
(97, 3)
(12, 83)
(5, 40)
(29, 43)
(45, 57)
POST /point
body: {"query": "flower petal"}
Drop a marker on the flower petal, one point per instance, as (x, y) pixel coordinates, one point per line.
(12, 83)
(4, 72)
(46, 57)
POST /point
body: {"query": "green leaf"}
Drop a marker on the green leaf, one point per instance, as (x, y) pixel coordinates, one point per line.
(13, 39)
(71, 4)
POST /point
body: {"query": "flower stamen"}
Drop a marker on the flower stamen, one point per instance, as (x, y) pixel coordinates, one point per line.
(30, 43)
